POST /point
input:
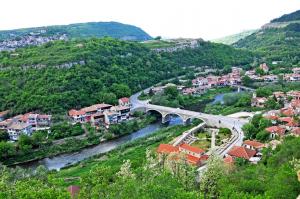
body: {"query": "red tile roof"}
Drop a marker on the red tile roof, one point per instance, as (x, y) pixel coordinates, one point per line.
(254, 143)
(124, 99)
(241, 152)
(288, 112)
(193, 160)
(167, 148)
(295, 103)
(271, 117)
(276, 129)
(191, 148)
(74, 112)
(286, 119)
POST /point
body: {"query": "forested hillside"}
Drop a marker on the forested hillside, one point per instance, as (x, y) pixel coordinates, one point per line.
(278, 42)
(67, 74)
(83, 30)
(294, 16)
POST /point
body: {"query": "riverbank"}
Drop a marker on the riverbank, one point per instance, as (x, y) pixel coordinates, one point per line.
(134, 151)
(70, 145)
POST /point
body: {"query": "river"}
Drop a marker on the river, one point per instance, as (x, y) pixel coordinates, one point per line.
(220, 97)
(63, 160)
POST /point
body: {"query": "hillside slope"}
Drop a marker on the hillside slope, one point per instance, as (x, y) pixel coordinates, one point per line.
(278, 40)
(83, 30)
(231, 39)
(68, 74)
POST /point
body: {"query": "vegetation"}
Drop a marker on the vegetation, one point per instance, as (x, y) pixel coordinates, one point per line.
(41, 145)
(84, 30)
(275, 44)
(41, 78)
(256, 128)
(128, 172)
(172, 98)
(231, 39)
(288, 17)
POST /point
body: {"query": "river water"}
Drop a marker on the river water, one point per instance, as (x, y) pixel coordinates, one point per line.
(63, 160)
(220, 97)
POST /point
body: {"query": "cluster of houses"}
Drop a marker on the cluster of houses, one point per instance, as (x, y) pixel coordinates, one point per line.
(24, 124)
(32, 39)
(250, 151)
(102, 114)
(192, 155)
(202, 84)
(292, 77)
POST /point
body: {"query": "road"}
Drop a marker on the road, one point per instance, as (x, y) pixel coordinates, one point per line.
(234, 124)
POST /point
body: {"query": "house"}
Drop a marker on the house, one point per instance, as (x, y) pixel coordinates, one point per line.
(270, 78)
(5, 124)
(192, 155)
(190, 150)
(264, 67)
(258, 101)
(241, 152)
(97, 119)
(16, 129)
(275, 131)
(294, 95)
(44, 120)
(3, 114)
(253, 145)
(77, 116)
(279, 95)
(124, 101)
(96, 108)
(123, 112)
(188, 91)
(167, 149)
(111, 117)
(294, 77)
(296, 70)
(288, 112)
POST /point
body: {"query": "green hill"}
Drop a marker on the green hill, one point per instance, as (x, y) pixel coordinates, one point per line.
(83, 30)
(60, 75)
(288, 17)
(234, 38)
(278, 40)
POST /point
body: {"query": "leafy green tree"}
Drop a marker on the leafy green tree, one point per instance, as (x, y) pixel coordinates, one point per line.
(4, 136)
(171, 91)
(6, 150)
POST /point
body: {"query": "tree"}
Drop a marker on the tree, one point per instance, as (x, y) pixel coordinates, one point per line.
(250, 131)
(209, 181)
(247, 81)
(4, 136)
(171, 91)
(6, 150)
(121, 90)
(25, 142)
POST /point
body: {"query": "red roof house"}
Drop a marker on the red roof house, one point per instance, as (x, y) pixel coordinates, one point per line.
(253, 144)
(194, 151)
(167, 148)
(275, 130)
(241, 152)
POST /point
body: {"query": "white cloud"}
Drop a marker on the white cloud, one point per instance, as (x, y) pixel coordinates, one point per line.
(169, 18)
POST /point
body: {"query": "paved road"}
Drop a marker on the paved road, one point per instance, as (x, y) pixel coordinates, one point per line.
(215, 120)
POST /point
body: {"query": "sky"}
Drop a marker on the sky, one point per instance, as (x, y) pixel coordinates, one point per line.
(207, 19)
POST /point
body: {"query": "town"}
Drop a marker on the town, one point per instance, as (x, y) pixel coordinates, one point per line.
(98, 115)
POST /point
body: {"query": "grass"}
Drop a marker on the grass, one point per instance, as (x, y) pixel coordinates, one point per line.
(133, 151)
